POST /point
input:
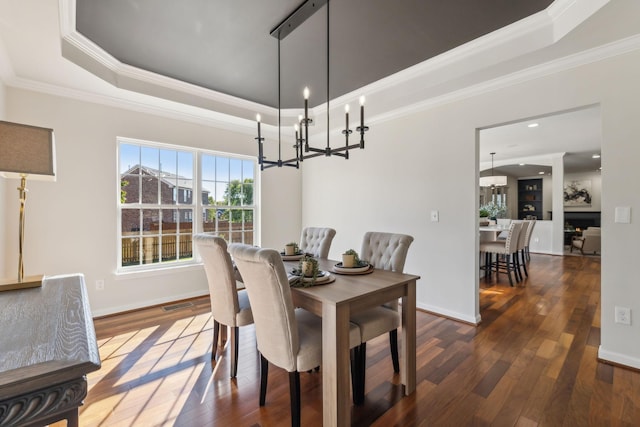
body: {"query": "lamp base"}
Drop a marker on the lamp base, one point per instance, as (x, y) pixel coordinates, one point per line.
(27, 282)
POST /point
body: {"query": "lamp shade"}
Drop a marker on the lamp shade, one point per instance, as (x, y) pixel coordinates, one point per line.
(27, 150)
(493, 181)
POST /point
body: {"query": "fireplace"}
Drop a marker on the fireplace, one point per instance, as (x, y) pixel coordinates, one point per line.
(582, 220)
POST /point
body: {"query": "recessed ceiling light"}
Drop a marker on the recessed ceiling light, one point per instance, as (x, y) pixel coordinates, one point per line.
(541, 173)
(533, 125)
(522, 164)
(596, 156)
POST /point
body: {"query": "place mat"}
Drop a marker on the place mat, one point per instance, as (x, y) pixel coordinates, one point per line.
(353, 270)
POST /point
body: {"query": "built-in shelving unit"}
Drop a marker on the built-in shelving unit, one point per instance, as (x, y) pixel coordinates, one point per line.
(530, 198)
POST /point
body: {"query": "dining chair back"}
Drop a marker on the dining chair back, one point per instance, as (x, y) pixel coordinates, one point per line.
(529, 233)
(384, 251)
(317, 241)
(519, 256)
(228, 306)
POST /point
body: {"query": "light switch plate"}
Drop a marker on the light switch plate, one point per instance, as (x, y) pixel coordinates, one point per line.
(435, 216)
(623, 214)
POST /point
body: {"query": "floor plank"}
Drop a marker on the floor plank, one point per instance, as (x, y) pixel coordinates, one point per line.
(531, 362)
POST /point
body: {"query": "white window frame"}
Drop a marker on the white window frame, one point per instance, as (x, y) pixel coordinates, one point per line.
(197, 206)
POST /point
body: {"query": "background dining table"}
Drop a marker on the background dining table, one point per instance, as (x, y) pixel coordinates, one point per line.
(335, 302)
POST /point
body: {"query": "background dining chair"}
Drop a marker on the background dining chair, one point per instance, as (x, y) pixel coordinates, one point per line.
(288, 338)
(385, 251)
(317, 241)
(229, 306)
(506, 249)
(532, 225)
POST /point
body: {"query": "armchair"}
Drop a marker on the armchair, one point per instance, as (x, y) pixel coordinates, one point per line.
(589, 242)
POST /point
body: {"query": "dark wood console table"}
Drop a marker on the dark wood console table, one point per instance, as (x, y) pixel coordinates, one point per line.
(47, 346)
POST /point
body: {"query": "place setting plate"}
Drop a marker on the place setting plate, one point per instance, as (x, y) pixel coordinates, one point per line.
(295, 257)
(364, 269)
(323, 278)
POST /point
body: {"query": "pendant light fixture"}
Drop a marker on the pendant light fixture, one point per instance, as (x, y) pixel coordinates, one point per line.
(303, 149)
(493, 180)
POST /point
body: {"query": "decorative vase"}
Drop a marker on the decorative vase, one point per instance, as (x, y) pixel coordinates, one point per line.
(307, 268)
(348, 261)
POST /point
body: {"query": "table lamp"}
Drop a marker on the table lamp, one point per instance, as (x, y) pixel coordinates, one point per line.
(25, 151)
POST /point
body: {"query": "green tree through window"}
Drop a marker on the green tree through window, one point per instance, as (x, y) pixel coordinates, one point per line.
(240, 194)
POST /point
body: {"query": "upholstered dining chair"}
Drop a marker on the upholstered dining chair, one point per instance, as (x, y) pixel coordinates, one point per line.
(529, 233)
(317, 241)
(519, 266)
(506, 249)
(385, 251)
(229, 306)
(287, 337)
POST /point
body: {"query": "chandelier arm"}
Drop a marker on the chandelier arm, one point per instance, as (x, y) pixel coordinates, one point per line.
(311, 156)
(345, 148)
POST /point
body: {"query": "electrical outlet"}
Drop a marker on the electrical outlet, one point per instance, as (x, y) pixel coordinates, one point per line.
(99, 285)
(623, 315)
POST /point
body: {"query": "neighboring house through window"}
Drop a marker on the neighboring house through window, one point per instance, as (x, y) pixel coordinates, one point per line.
(156, 202)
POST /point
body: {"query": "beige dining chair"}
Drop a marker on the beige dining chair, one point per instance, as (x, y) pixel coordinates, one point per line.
(287, 337)
(532, 225)
(506, 249)
(317, 241)
(229, 306)
(384, 251)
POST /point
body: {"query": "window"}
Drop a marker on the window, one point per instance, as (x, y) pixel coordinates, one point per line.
(157, 204)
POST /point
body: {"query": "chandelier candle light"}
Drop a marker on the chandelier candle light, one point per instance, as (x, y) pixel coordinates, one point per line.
(301, 129)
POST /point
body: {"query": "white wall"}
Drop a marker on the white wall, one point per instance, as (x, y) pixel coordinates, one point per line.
(71, 224)
(428, 161)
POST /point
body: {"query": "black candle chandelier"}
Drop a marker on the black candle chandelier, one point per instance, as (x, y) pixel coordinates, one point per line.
(303, 149)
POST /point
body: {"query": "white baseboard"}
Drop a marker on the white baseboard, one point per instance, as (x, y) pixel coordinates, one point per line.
(474, 320)
(147, 303)
(618, 358)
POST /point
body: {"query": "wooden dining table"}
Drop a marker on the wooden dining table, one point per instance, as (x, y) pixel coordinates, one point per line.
(335, 302)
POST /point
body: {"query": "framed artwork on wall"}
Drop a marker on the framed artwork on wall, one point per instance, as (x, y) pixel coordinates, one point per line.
(577, 193)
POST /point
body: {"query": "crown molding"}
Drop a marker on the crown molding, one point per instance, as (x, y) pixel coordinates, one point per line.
(600, 53)
(400, 94)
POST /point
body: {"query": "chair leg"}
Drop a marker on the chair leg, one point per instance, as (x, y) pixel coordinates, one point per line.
(216, 336)
(507, 262)
(516, 266)
(361, 358)
(235, 339)
(294, 395)
(264, 372)
(524, 263)
(355, 370)
(393, 345)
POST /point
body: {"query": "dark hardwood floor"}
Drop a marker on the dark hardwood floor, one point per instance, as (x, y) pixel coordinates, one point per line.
(531, 362)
